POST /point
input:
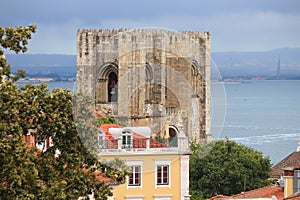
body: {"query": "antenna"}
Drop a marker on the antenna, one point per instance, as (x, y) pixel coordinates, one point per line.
(278, 67)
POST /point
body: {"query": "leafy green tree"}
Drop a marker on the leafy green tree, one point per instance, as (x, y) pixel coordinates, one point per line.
(225, 167)
(15, 39)
(66, 170)
(19, 175)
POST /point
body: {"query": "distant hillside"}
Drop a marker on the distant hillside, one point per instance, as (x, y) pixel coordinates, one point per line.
(258, 63)
(229, 63)
(63, 65)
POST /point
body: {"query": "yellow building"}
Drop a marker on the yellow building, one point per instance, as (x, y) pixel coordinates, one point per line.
(291, 181)
(160, 170)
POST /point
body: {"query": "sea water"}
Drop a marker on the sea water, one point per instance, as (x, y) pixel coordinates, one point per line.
(264, 115)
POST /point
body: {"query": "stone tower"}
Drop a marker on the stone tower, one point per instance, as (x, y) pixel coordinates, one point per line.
(148, 77)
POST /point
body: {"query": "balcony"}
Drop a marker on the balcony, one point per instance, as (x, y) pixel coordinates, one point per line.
(146, 145)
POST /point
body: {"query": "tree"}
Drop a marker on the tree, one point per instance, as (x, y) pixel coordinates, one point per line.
(225, 167)
(66, 170)
(15, 40)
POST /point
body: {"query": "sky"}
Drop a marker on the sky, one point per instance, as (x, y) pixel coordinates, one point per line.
(234, 25)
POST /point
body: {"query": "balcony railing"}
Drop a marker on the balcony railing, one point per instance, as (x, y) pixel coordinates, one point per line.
(168, 142)
(107, 144)
(147, 143)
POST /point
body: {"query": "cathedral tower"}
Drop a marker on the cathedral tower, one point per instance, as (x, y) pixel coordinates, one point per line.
(148, 77)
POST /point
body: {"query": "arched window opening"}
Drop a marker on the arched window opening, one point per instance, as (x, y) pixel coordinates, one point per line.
(194, 80)
(106, 83)
(172, 132)
(149, 78)
(112, 87)
(173, 140)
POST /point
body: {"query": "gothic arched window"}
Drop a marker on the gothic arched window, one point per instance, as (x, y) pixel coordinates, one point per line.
(107, 83)
(173, 136)
(112, 87)
(149, 78)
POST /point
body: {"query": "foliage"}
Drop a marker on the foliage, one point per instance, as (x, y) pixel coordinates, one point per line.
(225, 167)
(15, 39)
(107, 120)
(57, 172)
(120, 169)
(18, 170)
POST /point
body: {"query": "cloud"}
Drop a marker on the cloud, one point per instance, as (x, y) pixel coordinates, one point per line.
(234, 31)
(255, 31)
(235, 25)
(55, 38)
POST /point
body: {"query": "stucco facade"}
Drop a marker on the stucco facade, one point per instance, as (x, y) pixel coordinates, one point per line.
(148, 156)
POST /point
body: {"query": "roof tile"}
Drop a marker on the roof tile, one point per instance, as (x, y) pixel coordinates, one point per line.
(139, 141)
(293, 197)
(291, 160)
(264, 192)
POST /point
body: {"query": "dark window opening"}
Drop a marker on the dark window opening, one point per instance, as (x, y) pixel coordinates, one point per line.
(112, 87)
(173, 140)
(172, 132)
(162, 175)
(135, 176)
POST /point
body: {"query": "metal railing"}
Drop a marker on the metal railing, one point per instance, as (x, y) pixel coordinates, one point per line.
(156, 142)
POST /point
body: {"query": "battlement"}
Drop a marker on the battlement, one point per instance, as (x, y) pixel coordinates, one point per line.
(149, 32)
(142, 30)
(120, 42)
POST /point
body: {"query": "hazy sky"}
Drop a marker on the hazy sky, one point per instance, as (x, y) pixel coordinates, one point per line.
(235, 25)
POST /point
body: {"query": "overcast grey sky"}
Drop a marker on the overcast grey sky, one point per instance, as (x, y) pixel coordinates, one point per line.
(235, 25)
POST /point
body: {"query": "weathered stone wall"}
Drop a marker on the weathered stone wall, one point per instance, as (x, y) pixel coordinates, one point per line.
(162, 77)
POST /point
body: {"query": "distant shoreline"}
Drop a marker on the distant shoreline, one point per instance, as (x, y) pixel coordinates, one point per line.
(45, 80)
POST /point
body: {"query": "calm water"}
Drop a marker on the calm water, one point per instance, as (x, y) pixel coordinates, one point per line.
(264, 115)
(52, 85)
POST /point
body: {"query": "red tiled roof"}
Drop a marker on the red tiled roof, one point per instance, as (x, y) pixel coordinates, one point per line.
(291, 160)
(293, 197)
(155, 144)
(220, 196)
(267, 191)
(264, 192)
(139, 141)
(108, 136)
(101, 177)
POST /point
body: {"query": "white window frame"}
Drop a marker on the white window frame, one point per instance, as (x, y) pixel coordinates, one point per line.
(131, 163)
(135, 197)
(101, 134)
(163, 162)
(163, 197)
(134, 172)
(128, 139)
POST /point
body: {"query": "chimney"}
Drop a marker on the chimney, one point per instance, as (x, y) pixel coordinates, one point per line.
(298, 148)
